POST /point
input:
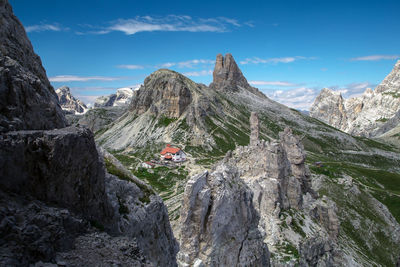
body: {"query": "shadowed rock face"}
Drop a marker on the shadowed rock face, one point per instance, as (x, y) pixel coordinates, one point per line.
(165, 93)
(27, 100)
(57, 166)
(53, 182)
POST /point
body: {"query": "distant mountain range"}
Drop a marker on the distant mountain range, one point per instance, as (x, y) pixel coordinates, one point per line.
(372, 114)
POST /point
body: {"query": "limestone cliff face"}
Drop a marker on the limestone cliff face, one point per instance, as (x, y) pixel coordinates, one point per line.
(392, 81)
(27, 100)
(329, 107)
(280, 181)
(121, 98)
(254, 128)
(219, 223)
(164, 93)
(68, 102)
(228, 77)
(365, 115)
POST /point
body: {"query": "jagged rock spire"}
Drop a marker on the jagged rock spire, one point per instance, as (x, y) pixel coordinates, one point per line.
(254, 128)
(227, 74)
(392, 81)
(68, 102)
(228, 77)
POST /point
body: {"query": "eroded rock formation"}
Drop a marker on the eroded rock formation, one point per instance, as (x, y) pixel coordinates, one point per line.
(219, 222)
(276, 173)
(164, 92)
(68, 102)
(329, 107)
(228, 77)
(371, 114)
(254, 128)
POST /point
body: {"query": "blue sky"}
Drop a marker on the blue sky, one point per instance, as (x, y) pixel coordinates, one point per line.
(288, 49)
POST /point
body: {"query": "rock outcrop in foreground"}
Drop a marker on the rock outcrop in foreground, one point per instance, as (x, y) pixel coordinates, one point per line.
(69, 103)
(62, 168)
(261, 192)
(370, 114)
(55, 193)
(57, 166)
(27, 100)
(219, 222)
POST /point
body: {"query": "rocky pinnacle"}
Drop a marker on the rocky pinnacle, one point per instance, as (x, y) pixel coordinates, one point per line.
(254, 128)
(227, 74)
(228, 77)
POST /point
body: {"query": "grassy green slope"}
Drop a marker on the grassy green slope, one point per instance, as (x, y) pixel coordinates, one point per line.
(373, 168)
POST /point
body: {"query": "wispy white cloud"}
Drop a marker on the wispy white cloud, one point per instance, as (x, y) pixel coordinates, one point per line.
(130, 67)
(353, 89)
(257, 60)
(303, 97)
(299, 98)
(187, 64)
(170, 23)
(249, 23)
(73, 78)
(274, 83)
(198, 73)
(375, 58)
(87, 99)
(45, 27)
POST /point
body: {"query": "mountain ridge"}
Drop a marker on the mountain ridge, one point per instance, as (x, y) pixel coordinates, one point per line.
(207, 122)
(364, 115)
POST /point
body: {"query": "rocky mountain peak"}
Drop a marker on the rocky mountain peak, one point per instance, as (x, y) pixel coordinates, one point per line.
(368, 91)
(122, 97)
(227, 76)
(27, 99)
(68, 102)
(227, 73)
(365, 115)
(329, 107)
(392, 81)
(164, 92)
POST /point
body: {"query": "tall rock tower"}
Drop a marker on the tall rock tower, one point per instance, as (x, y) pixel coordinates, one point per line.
(254, 128)
(228, 77)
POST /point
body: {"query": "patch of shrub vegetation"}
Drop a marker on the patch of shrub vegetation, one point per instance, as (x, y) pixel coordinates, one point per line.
(123, 209)
(164, 121)
(112, 169)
